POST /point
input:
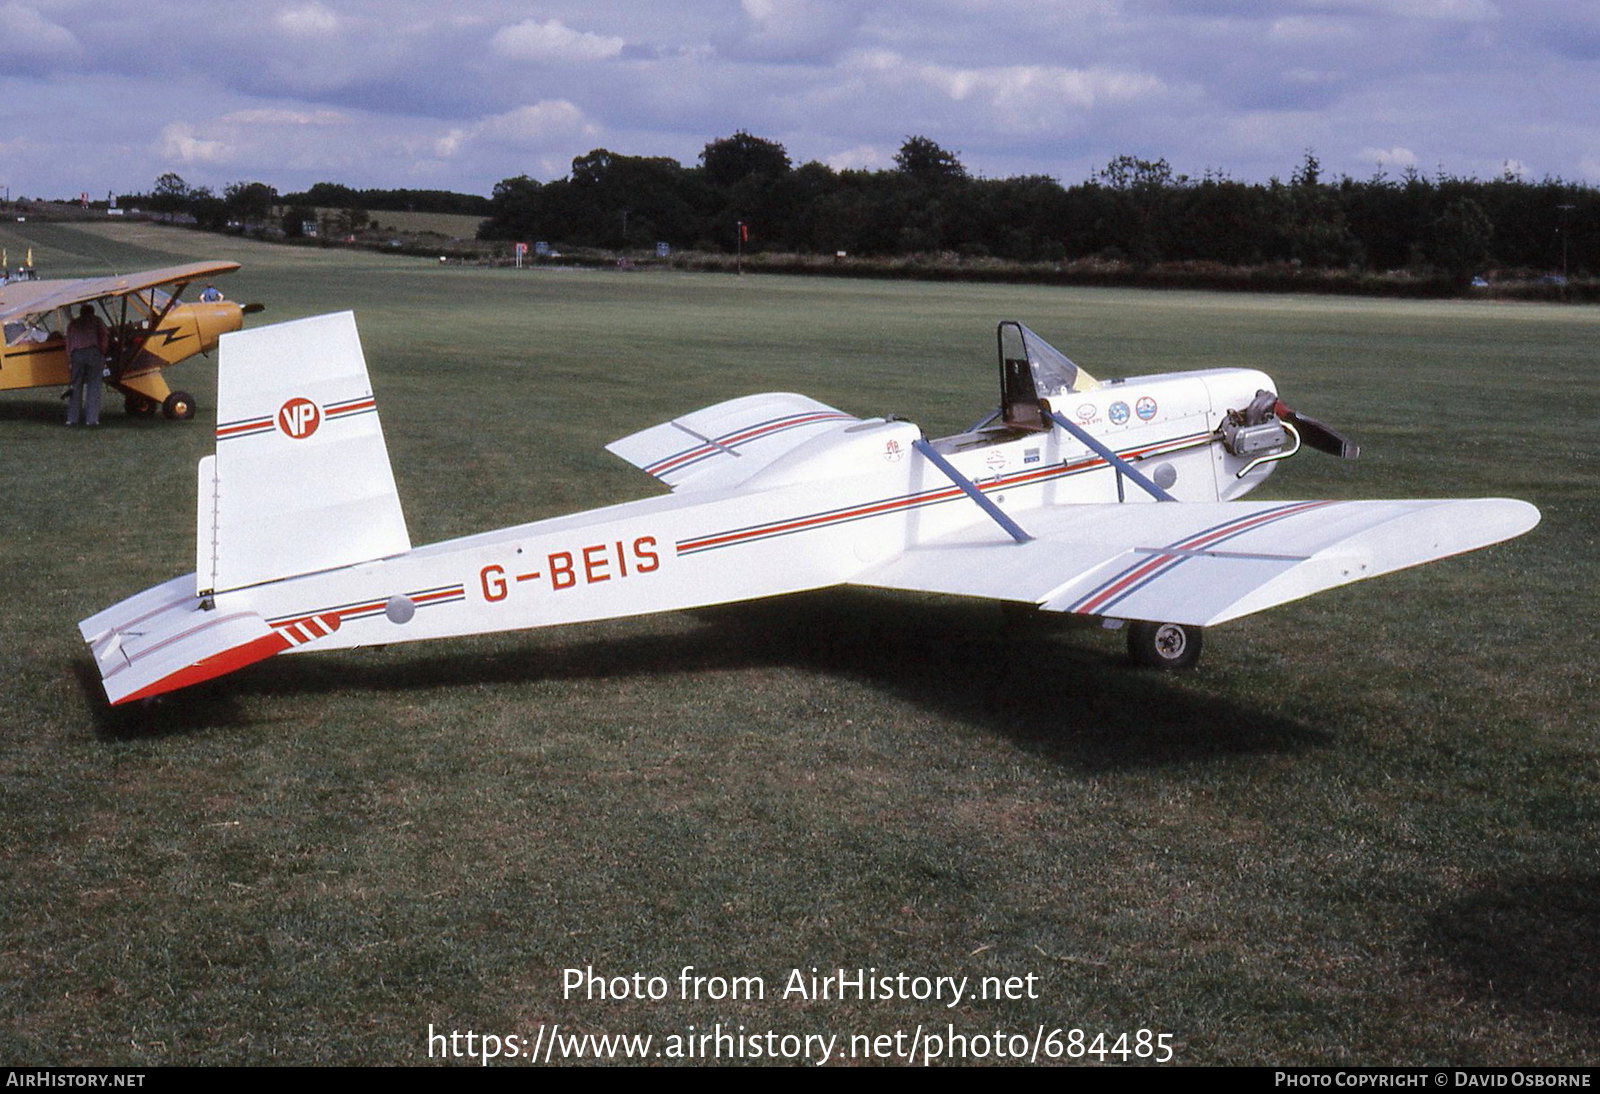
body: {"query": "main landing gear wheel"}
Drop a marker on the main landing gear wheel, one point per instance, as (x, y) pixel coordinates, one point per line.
(139, 406)
(179, 406)
(1169, 646)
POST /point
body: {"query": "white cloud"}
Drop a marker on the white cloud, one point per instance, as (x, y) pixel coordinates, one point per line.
(275, 116)
(1016, 83)
(26, 31)
(554, 41)
(1457, 11)
(1311, 77)
(179, 144)
(793, 30)
(533, 127)
(1311, 30)
(1452, 11)
(1396, 157)
(450, 143)
(539, 122)
(307, 21)
(863, 157)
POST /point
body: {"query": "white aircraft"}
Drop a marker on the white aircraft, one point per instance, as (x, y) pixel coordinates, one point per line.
(1113, 500)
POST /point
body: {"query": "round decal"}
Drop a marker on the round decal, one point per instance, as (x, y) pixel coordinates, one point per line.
(1086, 412)
(1118, 412)
(299, 418)
(1145, 408)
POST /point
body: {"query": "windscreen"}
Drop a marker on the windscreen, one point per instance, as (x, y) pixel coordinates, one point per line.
(1052, 371)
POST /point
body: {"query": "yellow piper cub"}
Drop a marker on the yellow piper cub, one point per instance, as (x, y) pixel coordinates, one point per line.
(150, 330)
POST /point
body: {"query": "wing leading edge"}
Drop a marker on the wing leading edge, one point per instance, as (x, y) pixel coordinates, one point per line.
(1198, 564)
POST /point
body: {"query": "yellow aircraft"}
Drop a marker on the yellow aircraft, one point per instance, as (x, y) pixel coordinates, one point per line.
(150, 330)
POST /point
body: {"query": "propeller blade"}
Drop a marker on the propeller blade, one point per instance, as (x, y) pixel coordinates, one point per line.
(1319, 436)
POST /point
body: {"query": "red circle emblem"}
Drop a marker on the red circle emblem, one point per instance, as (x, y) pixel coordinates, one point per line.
(299, 418)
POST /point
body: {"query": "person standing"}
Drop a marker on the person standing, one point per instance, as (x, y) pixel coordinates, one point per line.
(87, 340)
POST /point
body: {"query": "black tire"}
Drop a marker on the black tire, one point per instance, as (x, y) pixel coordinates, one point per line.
(1168, 646)
(139, 406)
(179, 406)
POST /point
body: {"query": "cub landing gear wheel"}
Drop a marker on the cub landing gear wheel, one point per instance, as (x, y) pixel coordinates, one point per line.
(139, 406)
(1169, 646)
(179, 406)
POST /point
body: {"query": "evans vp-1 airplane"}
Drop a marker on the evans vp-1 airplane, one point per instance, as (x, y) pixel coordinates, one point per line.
(1112, 500)
(150, 330)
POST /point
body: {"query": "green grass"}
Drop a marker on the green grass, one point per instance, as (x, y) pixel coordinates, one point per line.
(1363, 832)
(453, 225)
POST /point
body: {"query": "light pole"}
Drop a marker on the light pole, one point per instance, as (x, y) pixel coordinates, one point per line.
(1565, 209)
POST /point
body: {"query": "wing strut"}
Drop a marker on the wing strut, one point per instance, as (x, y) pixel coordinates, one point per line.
(971, 491)
(1112, 458)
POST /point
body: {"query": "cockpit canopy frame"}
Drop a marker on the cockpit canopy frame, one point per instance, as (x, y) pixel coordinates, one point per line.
(1031, 371)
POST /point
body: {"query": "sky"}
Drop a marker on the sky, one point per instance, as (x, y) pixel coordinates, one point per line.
(108, 95)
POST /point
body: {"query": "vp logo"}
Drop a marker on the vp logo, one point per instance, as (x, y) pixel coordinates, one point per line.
(299, 418)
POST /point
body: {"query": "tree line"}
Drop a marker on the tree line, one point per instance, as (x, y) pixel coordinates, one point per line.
(257, 204)
(1132, 211)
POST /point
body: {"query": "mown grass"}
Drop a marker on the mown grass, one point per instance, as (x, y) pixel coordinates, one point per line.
(450, 225)
(1362, 832)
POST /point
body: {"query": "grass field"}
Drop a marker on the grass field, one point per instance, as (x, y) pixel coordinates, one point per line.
(454, 225)
(1363, 832)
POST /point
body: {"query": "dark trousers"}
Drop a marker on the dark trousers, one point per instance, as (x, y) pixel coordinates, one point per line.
(87, 365)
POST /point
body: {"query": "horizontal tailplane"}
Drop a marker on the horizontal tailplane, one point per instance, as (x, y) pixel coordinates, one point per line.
(167, 638)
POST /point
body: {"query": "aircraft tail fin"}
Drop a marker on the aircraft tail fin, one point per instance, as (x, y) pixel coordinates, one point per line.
(301, 480)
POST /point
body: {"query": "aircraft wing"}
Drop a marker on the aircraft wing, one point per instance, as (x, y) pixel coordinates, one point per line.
(727, 443)
(25, 298)
(1197, 564)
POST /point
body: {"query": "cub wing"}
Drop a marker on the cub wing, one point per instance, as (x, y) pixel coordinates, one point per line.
(727, 443)
(1198, 564)
(24, 298)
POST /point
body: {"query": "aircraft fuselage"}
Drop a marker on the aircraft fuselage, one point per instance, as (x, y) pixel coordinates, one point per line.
(824, 514)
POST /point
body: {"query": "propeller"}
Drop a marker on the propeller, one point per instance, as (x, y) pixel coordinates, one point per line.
(1319, 436)
(1267, 405)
